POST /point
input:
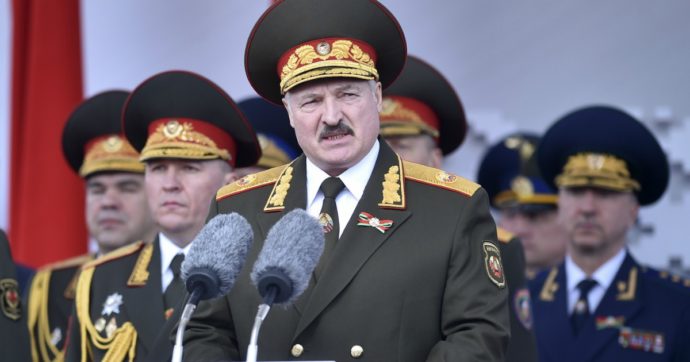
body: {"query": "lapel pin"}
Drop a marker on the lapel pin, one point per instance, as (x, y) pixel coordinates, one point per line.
(609, 321)
(367, 219)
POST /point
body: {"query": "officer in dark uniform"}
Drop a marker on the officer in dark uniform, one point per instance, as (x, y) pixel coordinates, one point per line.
(117, 213)
(413, 272)
(272, 126)
(599, 305)
(527, 205)
(422, 118)
(14, 337)
(190, 135)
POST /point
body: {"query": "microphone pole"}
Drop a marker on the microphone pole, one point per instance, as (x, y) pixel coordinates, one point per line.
(189, 308)
(261, 313)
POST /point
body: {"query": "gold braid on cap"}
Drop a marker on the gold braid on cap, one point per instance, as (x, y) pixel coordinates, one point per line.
(110, 153)
(271, 154)
(326, 58)
(598, 170)
(174, 139)
(398, 120)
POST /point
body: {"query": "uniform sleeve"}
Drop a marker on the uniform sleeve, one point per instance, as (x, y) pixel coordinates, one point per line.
(474, 320)
(210, 334)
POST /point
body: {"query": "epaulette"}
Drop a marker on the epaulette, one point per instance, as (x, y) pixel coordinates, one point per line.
(435, 177)
(504, 235)
(115, 254)
(667, 276)
(250, 182)
(76, 261)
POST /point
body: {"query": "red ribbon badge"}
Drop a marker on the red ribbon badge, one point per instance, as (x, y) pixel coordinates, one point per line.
(367, 219)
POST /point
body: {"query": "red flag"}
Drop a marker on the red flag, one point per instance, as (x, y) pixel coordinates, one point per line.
(46, 198)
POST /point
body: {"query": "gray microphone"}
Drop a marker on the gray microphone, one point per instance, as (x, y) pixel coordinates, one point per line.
(285, 264)
(211, 267)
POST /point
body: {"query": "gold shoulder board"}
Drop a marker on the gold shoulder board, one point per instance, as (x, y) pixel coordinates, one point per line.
(504, 235)
(68, 263)
(115, 254)
(250, 182)
(439, 178)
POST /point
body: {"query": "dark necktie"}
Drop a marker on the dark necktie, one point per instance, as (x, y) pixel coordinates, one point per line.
(328, 217)
(582, 311)
(175, 290)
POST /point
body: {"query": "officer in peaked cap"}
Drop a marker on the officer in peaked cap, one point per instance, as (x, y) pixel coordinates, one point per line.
(422, 119)
(191, 136)
(600, 304)
(14, 337)
(527, 204)
(327, 62)
(277, 139)
(117, 213)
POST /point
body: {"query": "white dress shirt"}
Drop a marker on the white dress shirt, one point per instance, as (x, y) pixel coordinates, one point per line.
(168, 252)
(355, 179)
(604, 277)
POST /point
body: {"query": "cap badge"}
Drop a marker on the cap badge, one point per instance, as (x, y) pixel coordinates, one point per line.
(323, 48)
(326, 222)
(112, 144)
(172, 129)
(367, 219)
(11, 305)
(522, 186)
(112, 304)
(595, 161)
(493, 264)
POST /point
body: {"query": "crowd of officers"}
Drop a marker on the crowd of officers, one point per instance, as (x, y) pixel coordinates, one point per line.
(552, 280)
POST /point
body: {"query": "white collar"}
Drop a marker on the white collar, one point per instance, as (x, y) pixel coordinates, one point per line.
(169, 250)
(604, 275)
(355, 178)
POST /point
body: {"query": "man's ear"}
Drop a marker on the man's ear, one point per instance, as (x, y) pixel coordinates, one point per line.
(378, 93)
(436, 158)
(289, 111)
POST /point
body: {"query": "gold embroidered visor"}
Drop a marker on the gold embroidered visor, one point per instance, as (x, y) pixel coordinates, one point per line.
(326, 58)
(404, 116)
(110, 153)
(188, 139)
(598, 170)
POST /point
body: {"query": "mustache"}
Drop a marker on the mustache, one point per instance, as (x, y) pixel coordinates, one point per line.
(337, 130)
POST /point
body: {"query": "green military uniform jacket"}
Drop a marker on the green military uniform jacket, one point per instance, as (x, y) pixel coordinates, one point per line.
(119, 308)
(523, 343)
(50, 302)
(430, 287)
(14, 336)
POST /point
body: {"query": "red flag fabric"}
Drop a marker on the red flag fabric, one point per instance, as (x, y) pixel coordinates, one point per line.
(46, 215)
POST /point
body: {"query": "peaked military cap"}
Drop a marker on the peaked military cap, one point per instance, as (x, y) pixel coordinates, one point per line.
(272, 125)
(92, 140)
(509, 174)
(422, 101)
(298, 41)
(179, 114)
(604, 147)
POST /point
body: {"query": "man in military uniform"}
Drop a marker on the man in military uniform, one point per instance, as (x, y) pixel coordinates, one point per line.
(423, 120)
(14, 337)
(600, 305)
(272, 126)
(190, 136)
(527, 205)
(117, 213)
(411, 270)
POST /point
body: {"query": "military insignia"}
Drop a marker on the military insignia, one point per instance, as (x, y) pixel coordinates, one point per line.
(647, 341)
(367, 219)
(609, 321)
(323, 48)
(493, 264)
(246, 180)
(112, 304)
(523, 307)
(111, 327)
(112, 144)
(56, 336)
(391, 187)
(11, 304)
(445, 177)
(326, 222)
(172, 129)
(522, 186)
(100, 324)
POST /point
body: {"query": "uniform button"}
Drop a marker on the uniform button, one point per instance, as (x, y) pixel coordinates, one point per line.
(356, 351)
(297, 350)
